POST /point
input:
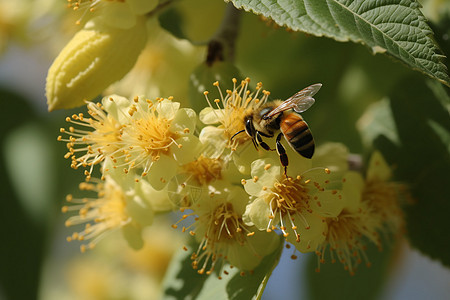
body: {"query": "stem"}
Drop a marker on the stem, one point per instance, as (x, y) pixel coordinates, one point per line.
(222, 44)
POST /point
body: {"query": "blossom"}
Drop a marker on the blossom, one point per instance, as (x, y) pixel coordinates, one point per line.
(135, 133)
(88, 148)
(117, 206)
(348, 231)
(298, 206)
(222, 234)
(195, 178)
(383, 195)
(157, 138)
(371, 209)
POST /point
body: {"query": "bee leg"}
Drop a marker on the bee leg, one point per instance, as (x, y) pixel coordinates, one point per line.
(255, 143)
(261, 142)
(282, 153)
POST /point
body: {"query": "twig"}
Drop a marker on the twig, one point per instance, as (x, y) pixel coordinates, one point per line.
(222, 44)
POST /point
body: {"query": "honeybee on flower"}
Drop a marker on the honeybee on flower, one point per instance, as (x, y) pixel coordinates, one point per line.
(225, 116)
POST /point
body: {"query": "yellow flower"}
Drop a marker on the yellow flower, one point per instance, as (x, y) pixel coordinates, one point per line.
(115, 207)
(297, 206)
(193, 179)
(88, 148)
(222, 234)
(155, 137)
(383, 195)
(348, 230)
(371, 209)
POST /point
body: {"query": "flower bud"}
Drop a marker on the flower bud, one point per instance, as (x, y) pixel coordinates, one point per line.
(97, 56)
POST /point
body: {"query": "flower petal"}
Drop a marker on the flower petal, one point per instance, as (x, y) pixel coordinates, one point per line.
(378, 168)
(328, 203)
(140, 210)
(312, 230)
(210, 116)
(257, 213)
(184, 121)
(249, 255)
(188, 151)
(167, 109)
(253, 188)
(332, 156)
(213, 140)
(158, 200)
(266, 171)
(352, 190)
(161, 172)
(133, 235)
(238, 198)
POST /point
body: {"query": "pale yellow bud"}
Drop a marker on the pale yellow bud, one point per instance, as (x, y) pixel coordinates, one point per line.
(97, 56)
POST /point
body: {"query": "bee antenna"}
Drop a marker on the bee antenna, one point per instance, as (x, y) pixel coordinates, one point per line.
(240, 131)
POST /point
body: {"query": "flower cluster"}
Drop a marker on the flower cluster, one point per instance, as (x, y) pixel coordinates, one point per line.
(154, 157)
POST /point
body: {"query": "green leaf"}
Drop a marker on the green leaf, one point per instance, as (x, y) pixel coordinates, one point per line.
(371, 127)
(421, 156)
(334, 283)
(396, 27)
(182, 282)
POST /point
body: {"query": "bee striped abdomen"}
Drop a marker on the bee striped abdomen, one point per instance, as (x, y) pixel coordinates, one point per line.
(297, 133)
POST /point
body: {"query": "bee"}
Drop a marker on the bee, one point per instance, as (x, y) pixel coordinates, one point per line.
(283, 116)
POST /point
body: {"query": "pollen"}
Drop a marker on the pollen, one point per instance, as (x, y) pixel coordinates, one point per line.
(100, 215)
(383, 197)
(222, 226)
(233, 106)
(88, 6)
(346, 235)
(146, 138)
(286, 199)
(93, 139)
(205, 170)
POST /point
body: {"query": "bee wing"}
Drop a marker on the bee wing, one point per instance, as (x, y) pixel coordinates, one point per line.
(299, 102)
(304, 104)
